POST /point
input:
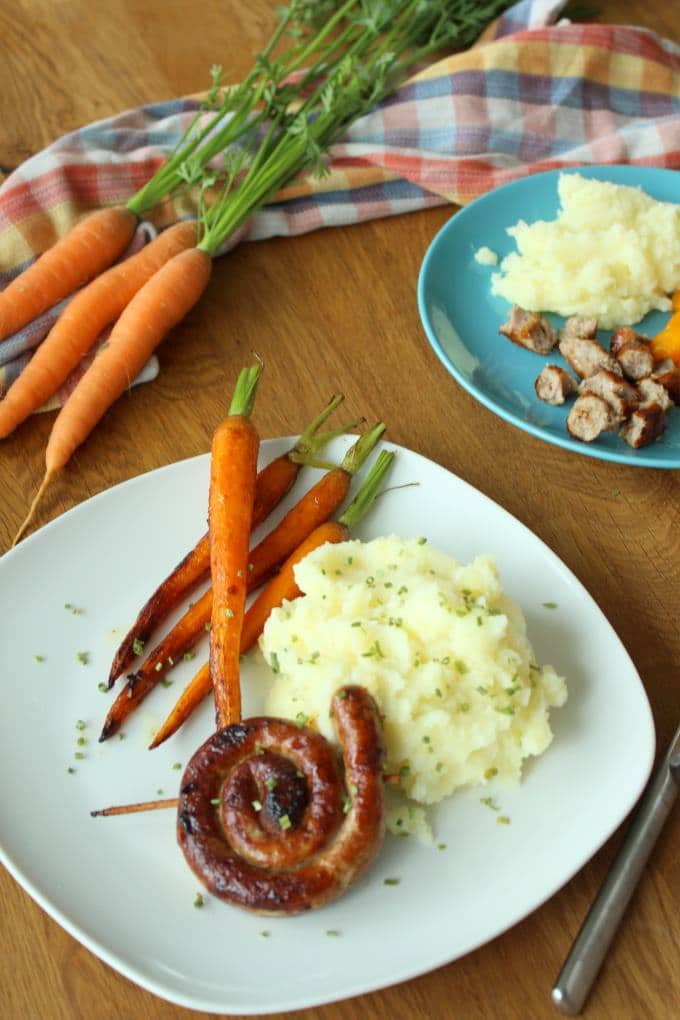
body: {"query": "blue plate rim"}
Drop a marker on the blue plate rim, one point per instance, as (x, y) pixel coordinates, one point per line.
(636, 458)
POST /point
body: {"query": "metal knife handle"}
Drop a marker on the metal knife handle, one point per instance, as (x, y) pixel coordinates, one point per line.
(592, 942)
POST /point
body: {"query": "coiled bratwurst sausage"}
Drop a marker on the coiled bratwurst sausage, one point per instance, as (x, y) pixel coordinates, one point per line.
(265, 820)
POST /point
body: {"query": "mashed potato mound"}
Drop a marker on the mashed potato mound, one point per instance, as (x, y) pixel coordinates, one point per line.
(612, 252)
(439, 646)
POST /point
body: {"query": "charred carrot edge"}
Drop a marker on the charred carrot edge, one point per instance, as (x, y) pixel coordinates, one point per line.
(281, 588)
(233, 470)
(273, 482)
(313, 509)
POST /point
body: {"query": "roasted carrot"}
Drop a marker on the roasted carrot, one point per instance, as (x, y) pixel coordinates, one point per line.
(316, 506)
(133, 809)
(79, 325)
(272, 484)
(282, 587)
(161, 303)
(92, 245)
(233, 470)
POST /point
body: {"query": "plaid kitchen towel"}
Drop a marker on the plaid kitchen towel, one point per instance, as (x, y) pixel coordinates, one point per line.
(532, 95)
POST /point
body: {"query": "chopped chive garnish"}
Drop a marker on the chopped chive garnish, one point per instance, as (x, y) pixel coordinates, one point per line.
(177, 765)
(332, 932)
(550, 605)
(138, 646)
(274, 663)
(391, 881)
(80, 725)
(79, 755)
(198, 902)
(257, 805)
(489, 802)
(265, 934)
(188, 656)
(71, 770)
(301, 719)
(285, 822)
(83, 658)
(490, 773)
(502, 820)
(158, 667)
(215, 801)
(441, 846)
(270, 783)
(38, 658)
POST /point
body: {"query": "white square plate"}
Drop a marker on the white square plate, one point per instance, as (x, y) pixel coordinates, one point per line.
(121, 886)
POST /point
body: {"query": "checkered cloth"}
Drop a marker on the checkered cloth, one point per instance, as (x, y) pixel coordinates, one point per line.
(532, 95)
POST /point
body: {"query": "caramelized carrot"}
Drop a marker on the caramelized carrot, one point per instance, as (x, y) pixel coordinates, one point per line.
(312, 510)
(81, 322)
(92, 245)
(161, 303)
(233, 470)
(282, 587)
(272, 484)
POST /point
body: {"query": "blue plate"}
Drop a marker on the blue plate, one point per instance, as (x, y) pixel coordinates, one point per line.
(461, 316)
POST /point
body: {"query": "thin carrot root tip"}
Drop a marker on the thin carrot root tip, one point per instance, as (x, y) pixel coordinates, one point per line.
(34, 506)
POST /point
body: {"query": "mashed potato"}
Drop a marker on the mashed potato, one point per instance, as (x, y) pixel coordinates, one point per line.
(439, 646)
(612, 252)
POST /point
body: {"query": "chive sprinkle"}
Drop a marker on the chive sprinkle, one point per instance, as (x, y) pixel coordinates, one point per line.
(138, 646)
(285, 822)
(392, 881)
(199, 901)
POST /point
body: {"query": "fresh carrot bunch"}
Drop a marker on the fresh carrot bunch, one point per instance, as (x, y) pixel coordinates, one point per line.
(279, 123)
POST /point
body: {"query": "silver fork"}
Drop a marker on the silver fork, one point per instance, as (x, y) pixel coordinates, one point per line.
(592, 942)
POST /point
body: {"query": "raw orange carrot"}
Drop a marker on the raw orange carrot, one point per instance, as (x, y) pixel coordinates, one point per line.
(312, 510)
(79, 325)
(272, 484)
(282, 587)
(233, 470)
(92, 245)
(161, 303)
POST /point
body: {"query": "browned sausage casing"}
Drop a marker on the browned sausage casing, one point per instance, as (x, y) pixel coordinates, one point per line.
(265, 819)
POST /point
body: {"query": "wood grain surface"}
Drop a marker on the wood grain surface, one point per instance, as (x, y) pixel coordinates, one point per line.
(336, 310)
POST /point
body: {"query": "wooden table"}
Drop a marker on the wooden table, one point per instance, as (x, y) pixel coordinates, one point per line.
(336, 310)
